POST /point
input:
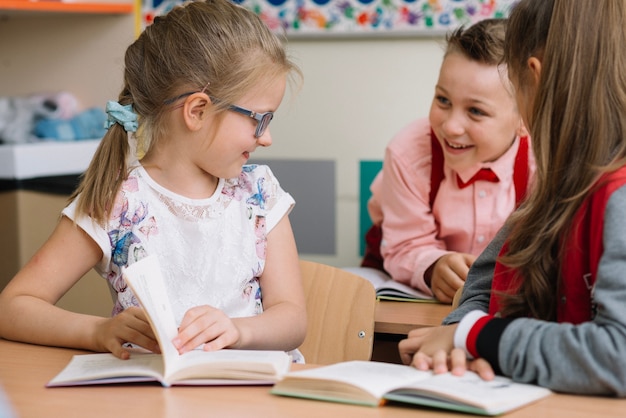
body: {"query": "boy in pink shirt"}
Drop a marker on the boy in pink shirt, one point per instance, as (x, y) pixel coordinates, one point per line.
(433, 217)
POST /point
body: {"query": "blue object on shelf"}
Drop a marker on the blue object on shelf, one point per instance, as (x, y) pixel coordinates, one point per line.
(88, 124)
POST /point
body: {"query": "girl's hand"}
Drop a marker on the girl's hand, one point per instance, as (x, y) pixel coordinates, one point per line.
(433, 348)
(206, 325)
(428, 348)
(129, 326)
(448, 275)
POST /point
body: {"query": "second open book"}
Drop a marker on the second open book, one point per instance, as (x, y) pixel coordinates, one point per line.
(372, 383)
(389, 289)
(196, 367)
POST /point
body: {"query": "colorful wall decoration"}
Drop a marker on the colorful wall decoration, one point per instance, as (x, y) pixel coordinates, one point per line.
(313, 18)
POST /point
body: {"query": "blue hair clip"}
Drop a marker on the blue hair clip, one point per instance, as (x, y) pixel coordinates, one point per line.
(124, 115)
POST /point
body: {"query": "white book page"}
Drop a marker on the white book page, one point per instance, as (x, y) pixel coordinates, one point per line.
(233, 364)
(393, 288)
(376, 277)
(494, 396)
(146, 281)
(87, 368)
(386, 286)
(377, 378)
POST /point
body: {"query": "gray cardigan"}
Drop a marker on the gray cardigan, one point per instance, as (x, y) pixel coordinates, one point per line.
(589, 358)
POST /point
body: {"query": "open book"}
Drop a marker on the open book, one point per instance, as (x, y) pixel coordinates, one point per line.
(389, 289)
(392, 290)
(197, 367)
(374, 383)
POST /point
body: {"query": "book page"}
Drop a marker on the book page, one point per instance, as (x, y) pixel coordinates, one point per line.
(387, 288)
(376, 378)
(146, 281)
(260, 365)
(376, 277)
(493, 397)
(394, 290)
(85, 369)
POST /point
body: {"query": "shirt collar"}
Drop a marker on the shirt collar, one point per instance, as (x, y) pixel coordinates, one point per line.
(503, 166)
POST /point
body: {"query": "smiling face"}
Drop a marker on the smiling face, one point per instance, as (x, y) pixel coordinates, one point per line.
(230, 145)
(473, 114)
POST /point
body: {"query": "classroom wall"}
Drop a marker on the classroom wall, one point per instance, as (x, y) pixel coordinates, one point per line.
(75, 52)
(357, 94)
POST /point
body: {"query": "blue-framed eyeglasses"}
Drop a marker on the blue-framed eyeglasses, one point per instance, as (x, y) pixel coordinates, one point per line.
(263, 119)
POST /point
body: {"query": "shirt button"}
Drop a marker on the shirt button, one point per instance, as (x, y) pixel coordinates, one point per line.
(482, 193)
(480, 238)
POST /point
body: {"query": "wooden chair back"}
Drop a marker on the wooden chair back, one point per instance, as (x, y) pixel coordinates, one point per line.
(340, 308)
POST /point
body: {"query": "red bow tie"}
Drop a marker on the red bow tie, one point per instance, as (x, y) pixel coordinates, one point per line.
(483, 174)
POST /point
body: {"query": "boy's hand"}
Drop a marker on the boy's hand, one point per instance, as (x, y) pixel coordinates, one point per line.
(448, 275)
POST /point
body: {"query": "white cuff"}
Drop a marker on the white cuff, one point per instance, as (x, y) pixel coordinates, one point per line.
(464, 328)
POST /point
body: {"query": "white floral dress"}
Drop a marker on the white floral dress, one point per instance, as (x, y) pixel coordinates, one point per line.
(211, 251)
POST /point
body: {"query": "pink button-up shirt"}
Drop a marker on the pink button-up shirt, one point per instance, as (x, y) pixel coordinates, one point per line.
(461, 220)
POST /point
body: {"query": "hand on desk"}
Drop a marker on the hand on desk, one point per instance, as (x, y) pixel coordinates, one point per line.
(433, 348)
(129, 326)
(448, 274)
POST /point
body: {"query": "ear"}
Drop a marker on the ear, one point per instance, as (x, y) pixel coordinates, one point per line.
(195, 110)
(521, 129)
(535, 68)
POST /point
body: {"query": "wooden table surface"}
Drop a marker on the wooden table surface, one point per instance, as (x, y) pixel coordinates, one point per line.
(25, 369)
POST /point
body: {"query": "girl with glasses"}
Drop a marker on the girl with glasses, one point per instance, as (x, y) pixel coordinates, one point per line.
(171, 178)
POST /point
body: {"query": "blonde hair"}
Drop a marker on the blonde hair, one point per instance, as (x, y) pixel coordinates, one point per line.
(215, 46)
(578, 128)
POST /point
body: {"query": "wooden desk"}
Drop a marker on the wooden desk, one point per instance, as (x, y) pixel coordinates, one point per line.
(25, 369)
(394, 320)
(400, 317)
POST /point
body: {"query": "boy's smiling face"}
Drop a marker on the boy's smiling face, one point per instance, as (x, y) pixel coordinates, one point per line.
(473, 112)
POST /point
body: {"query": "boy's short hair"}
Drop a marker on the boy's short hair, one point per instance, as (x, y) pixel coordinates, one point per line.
(482, 42)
